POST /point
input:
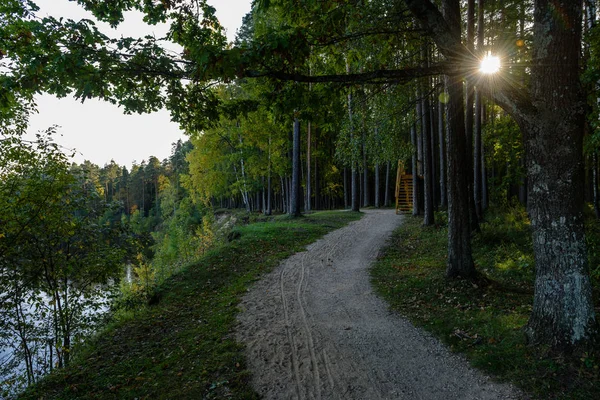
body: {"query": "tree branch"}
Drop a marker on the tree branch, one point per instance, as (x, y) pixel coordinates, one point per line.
(372, 77)
(514, 99)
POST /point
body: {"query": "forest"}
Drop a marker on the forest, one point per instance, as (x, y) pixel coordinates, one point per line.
(316, 105)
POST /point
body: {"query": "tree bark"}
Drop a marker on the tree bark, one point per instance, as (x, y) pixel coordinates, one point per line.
(419, 137)
(365, 185)
(386, 199)
(590, 17)
(377, 204)
(477, 153)
(268, 208)
(441, 130)
(415, 176)
(434, 160)
(345, 188)
(469, 116)
(460, 260)
(308, 168)
(377, 199)
(428, 218)
(355, 184)
(596, 198)
(316, 190)
(296, 193)
(563, 311)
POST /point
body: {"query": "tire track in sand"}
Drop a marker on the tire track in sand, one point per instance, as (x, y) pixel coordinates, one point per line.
(313, 329)
(286, 317)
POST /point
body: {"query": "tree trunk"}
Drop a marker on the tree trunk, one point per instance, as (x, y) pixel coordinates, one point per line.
(355, 185)
(345, 188)
(434, 160)
(366, 200)
(316, 189)
(376, 185)
(460, 260)
(477, 148)
(419, 138)
(386, 199)
(269, 209)
(443, 189)
(484, 181)
(296, 193)
(289, 192)
(596, 198)
(415, 176)
(477, 158)
(563, 311)
(428, 218)
(308, 168)
(590, 16)
(284, 208)
(361, 189)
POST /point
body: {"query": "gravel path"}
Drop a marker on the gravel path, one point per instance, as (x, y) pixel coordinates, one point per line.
(314, 329)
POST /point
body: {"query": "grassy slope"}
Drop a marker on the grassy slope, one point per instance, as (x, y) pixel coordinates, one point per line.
(483, 323)
(183, 347)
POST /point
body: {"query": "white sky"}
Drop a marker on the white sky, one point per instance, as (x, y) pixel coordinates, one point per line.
(99, 131)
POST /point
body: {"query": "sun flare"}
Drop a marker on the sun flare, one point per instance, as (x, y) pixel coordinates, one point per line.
(490, 64)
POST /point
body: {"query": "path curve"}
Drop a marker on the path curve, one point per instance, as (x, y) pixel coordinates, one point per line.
(314, 329)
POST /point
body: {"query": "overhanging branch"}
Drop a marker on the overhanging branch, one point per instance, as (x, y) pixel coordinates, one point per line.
(372, 77)
(513, 99)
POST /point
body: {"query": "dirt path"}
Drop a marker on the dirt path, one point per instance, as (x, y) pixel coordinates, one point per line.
(314, 329)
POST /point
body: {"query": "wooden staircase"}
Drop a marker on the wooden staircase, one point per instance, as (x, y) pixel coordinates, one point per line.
(404, 190)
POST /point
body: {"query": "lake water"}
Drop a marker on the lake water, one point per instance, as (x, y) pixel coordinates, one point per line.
(13, 372)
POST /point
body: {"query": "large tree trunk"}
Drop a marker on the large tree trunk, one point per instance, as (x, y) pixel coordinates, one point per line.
(563, 311)
(296, 193)
(460, 260)
(590, 17)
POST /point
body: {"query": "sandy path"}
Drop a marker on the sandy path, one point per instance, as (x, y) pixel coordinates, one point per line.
(314, 329)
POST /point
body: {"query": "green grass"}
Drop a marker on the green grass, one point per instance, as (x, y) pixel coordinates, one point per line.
(183, 347)
(484, 322)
